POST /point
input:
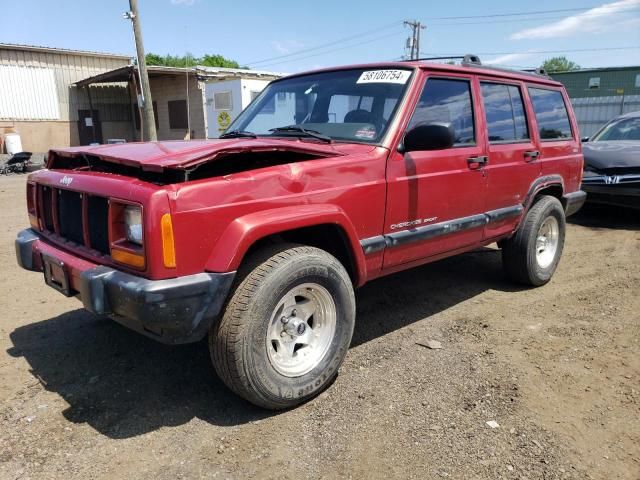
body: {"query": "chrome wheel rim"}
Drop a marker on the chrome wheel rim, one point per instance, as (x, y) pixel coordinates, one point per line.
(547, 242)
(301, 329)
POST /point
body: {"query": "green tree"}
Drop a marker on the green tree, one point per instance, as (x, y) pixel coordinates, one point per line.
(189, 60)
(559, 64)
(218, 61)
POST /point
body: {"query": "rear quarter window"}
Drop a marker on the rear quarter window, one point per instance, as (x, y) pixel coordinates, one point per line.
(551, 114)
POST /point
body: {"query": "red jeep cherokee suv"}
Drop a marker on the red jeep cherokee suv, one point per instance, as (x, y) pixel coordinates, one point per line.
(327, 180)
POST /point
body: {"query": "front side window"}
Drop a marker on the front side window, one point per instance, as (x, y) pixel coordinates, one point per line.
(447, 101)
(551, 114)
(504, 110)
(354, 105)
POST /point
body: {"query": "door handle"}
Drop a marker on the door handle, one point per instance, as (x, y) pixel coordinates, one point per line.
(531, 155)
(476, 162)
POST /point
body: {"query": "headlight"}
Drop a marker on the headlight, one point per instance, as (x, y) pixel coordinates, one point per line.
(133, 224)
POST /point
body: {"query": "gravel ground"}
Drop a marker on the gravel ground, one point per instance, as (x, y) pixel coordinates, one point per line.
(556, 368)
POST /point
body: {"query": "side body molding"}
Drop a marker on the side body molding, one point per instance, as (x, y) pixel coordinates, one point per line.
(401, 237)
(244, 231)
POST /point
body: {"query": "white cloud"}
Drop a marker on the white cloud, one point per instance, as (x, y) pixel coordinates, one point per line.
(507, 59)
(186, 3)
(286, 47)
(597, 19)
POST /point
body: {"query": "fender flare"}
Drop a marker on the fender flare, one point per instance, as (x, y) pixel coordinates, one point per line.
(540, 184)
(243, 232)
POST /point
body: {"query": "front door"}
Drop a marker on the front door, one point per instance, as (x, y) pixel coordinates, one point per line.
(436, 199)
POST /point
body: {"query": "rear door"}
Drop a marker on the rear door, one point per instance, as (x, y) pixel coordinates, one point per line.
(435, 199)
(560, 151)
(513, 153)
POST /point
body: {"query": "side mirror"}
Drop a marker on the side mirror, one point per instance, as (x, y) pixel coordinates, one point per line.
(584, 139)
(433, 136)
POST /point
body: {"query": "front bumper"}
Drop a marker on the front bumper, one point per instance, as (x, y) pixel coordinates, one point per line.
(619, 190)
(176, 310)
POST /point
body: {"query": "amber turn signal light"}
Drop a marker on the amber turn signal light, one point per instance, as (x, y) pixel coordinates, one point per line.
(168, 247)
(128, 258)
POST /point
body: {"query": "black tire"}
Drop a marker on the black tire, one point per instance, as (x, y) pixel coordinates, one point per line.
(238, 341)
(519, 252)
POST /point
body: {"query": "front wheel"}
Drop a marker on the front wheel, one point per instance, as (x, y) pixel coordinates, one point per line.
(286, 328)
(532, 254)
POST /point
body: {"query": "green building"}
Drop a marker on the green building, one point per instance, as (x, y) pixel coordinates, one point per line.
(601, 94)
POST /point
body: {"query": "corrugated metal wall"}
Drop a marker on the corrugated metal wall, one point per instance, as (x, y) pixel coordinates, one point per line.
(68, 68)
(613, 81)
(593, 112)
(618, 92)
(28, 93)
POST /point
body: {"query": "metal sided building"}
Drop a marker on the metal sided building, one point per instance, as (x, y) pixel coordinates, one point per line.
(188, 103)
(601, 94)
(39, 101)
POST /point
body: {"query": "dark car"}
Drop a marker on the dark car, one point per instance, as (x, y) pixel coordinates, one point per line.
(612, 163)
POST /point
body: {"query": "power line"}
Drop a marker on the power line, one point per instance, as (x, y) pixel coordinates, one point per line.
(515, 14)
(536, 19)
(335, 42)
(534, 52)
(302, 54)
(334, 49)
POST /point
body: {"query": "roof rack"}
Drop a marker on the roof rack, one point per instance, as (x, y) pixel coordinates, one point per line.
(471, 60)
(466, 59)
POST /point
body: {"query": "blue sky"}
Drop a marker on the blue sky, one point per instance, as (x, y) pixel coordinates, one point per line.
(283, 36)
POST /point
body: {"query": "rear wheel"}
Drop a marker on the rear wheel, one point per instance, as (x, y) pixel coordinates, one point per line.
(286, 328)
(532, 254)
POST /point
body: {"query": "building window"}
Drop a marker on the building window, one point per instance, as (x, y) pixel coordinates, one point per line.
(638, 81)
(178, 115)
(270, 106)
(222, 101)
(594, 82)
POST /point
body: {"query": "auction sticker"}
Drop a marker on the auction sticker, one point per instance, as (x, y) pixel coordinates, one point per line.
(384, 76)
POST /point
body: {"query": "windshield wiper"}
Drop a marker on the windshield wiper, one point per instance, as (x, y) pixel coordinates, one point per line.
(238, 134)
(303, 131)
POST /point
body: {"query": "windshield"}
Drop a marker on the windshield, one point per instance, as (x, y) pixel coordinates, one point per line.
(347, 105)
(627, 129)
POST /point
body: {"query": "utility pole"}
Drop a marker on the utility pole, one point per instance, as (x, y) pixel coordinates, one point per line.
(145, 102)
(413, 42)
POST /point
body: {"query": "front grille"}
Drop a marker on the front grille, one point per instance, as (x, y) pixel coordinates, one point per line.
(63, 212)
(70, 215)
(47, 207)
(98, 216)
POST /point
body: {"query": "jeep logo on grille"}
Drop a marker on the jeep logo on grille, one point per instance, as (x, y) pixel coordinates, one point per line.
(66, 181)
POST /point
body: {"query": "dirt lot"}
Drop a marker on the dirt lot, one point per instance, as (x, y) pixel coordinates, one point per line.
(557, 368)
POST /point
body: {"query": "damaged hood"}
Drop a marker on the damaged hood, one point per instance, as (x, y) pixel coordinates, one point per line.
(617, 154)
(155, 156)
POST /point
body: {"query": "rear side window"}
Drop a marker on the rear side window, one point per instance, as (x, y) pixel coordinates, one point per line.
(504, 110)
(449, 102)
(551, 114)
